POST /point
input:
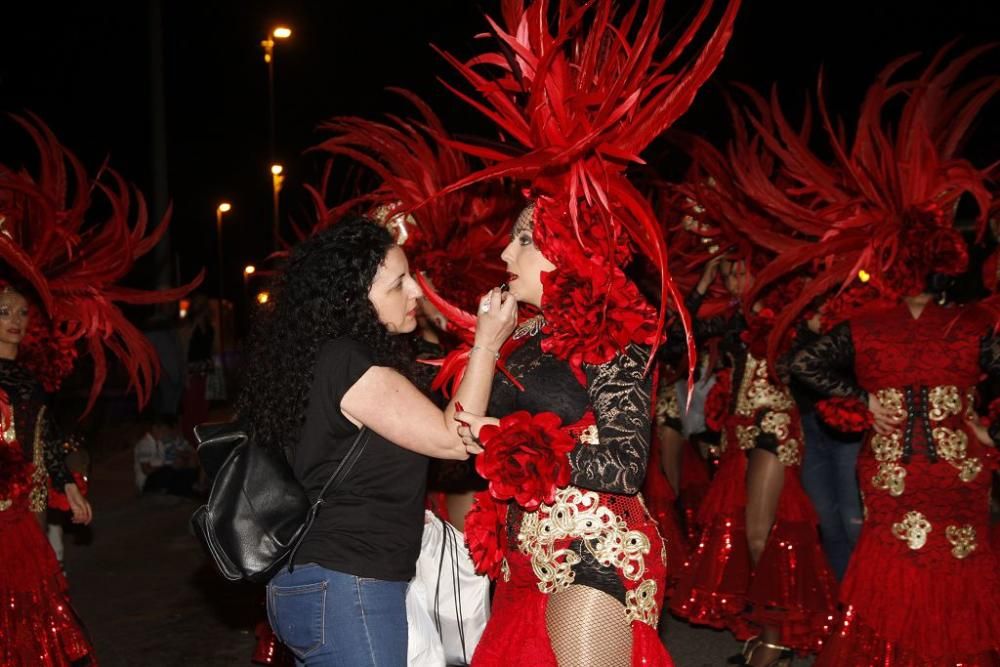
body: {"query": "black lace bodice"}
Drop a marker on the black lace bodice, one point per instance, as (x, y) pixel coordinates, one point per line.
(618, 392)
(28, 398)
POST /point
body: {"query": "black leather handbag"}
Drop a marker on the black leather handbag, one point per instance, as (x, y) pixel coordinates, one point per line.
(257, 512)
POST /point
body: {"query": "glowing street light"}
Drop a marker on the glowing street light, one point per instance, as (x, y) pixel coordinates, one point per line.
(220, 210)
(263, 297)
(277, 180)
(279, 32)
(249, 270)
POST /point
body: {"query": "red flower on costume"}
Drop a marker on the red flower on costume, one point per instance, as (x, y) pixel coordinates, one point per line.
(57, 497)
(486, 534)
(846, 414)
(717, 401)
(525, 458)
(579, 333)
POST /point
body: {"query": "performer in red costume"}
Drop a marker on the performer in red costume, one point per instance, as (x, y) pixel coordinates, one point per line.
(579, 563)
(58, 289)
(757, 567)
(923, 586)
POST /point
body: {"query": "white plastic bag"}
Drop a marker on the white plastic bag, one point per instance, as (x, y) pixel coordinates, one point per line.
(447, 604)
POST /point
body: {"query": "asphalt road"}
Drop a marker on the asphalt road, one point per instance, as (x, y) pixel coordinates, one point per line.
(149, 597)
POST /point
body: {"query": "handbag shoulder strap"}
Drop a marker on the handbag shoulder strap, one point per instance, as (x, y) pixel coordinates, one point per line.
(343, 469)
(345, 465)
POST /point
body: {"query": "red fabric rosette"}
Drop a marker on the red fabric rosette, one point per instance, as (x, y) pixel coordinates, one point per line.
(717, 401)
(58, 500)
(486, 534)
(525, 458)
(846, 414)
(580, 335)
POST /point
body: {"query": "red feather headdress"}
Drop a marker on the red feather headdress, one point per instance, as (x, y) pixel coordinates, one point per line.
(71, 258)
(884, 204)
(576, 100)
(456, 239)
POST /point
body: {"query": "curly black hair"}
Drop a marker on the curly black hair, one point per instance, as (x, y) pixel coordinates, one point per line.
(321, 294)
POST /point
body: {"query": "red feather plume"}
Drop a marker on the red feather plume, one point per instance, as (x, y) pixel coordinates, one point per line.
(576, 100)
(72, 255)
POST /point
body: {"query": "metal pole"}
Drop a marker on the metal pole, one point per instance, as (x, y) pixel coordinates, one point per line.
(222, 290)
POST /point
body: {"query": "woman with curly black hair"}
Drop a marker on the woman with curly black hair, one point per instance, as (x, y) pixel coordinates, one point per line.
(328, 358)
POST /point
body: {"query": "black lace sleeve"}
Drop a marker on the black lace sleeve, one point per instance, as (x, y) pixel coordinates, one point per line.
(989, 359)
(703, 328)
(55, 447)
(827, 365)
(620, 393)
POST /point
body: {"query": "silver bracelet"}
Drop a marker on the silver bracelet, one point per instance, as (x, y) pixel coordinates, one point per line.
(496, 355)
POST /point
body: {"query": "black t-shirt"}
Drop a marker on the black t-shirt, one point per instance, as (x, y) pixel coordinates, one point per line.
(371, 526)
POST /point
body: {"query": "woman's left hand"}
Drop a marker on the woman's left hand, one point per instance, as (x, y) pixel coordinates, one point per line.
(469, 427)
(78, 505)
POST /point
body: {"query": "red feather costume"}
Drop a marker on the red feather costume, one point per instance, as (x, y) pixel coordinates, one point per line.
(790, 587)
(576, 99)
(70, 266)
(922, 587)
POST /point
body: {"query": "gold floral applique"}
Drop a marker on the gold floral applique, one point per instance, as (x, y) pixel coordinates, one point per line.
(779, 424)
(962, 539)
(578, 514)
(640, 604)
(913, 529)
(952, 446)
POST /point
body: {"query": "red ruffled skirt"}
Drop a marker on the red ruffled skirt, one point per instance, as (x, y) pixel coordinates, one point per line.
(921, 606)
(37, 624)
(792, 587)
(517, 633)
(662, 503)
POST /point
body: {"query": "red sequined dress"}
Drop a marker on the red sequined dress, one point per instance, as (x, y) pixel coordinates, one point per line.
(923, 585)
(791, 588)
(37, 624)
(597, 532)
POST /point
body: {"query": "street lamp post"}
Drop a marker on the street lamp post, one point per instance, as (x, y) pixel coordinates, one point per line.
(278, 33)
(220, 210)
(277, 179)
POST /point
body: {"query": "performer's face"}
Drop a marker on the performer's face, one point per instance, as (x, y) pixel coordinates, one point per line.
(525, 264)
(394, 293)
(14, 315)
(735, 276)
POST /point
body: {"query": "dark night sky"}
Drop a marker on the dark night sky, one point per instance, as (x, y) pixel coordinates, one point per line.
(84, 68)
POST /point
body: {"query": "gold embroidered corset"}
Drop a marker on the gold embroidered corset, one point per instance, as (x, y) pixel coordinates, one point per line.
(932, 424)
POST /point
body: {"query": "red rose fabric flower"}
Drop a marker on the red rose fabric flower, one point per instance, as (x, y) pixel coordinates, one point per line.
(579, 331)
(717, 401)
(486, 534)
(525, 458)
(58, 499)
(846, 414)
(592, 310)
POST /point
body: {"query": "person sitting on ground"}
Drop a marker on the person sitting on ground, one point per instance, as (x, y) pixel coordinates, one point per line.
(164, 461)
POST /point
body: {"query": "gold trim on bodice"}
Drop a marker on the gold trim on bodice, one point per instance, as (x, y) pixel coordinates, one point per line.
(579, 514)
(950, 444)
(39, 497)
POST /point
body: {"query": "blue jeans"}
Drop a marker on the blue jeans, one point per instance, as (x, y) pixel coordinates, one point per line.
(830, 478)
(335, 619)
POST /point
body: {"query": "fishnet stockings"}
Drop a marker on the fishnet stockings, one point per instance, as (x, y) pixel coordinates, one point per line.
(587, 627)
